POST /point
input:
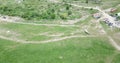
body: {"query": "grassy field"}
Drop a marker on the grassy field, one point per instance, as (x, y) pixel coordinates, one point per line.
(44, 37)
(42, 32)
(116, 59)
(76, 50)
(37, 33)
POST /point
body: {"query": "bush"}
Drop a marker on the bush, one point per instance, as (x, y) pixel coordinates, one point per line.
(29, 11)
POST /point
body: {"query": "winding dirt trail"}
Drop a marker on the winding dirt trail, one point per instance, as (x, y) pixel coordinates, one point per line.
(71, 22)
(61, 25)
(114, 43)
(12, 39)
(95, 8)
(63, 38)
(45, 41)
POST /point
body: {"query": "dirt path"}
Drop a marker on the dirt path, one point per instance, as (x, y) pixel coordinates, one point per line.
(17, 20)
(82, 6)
(110, 18)
(10, 18)
(114, 43)
(46, 41)
(12, 39)
(105, 15)
(63, 38)
(55, 1)
(61, 25)
(71, 22)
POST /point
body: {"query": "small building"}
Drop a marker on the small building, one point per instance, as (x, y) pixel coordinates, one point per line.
(97, 15)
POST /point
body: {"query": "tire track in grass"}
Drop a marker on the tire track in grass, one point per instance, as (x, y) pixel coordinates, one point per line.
(45, 41)
(114, 43)
(63, 38)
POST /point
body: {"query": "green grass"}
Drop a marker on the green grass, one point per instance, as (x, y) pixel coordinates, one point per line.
(31, 32)
(38, 38)
(116, 59)
(76, 50)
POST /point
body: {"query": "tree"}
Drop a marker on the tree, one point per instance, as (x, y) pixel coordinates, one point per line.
(95, 1)
(86, 1)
